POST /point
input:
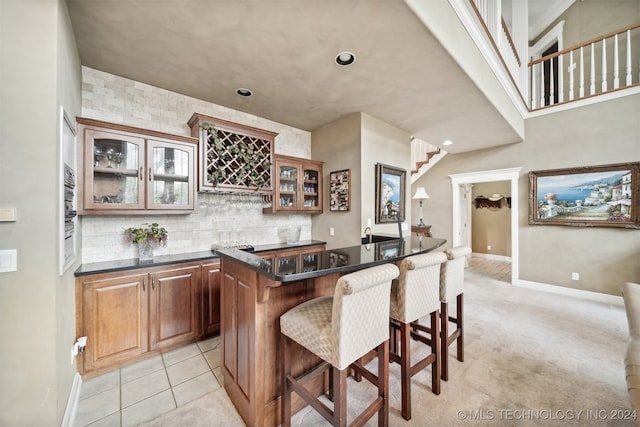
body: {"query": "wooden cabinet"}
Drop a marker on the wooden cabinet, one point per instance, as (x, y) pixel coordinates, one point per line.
(232, 157)
(128, 170)
(113, 314)
(127, 314)
(211, 297)
(174, 309)
(298, 186)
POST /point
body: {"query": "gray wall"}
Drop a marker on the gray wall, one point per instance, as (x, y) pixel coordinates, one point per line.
(40, 72)
(358, 142)
(598, 134)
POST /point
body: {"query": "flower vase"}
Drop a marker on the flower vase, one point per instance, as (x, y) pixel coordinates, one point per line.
(145, 251)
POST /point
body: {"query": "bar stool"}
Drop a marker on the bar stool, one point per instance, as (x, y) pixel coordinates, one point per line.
(451, 289)
(414, 295)
(340, 330)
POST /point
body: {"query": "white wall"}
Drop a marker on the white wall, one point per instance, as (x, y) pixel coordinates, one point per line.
(218, 219)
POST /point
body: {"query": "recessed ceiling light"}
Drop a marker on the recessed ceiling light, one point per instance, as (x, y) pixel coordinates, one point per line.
(447, 142)
(243, 92)
(345, 58)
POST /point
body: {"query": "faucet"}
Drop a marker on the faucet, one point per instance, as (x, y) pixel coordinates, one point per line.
(369, 233)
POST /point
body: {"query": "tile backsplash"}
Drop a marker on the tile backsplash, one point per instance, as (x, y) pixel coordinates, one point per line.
(219, 218)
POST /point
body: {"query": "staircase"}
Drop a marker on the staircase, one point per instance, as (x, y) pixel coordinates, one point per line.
(423, 156)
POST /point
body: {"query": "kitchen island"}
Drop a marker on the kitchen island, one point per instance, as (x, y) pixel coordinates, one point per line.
(257, 291)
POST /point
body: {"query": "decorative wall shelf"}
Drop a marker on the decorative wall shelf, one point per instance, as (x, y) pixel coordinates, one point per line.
(485, 202)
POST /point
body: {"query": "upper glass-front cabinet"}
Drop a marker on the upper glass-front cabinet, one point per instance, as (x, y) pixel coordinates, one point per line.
(127, 172)
(115, 181)
(170, 167)
(298, 185)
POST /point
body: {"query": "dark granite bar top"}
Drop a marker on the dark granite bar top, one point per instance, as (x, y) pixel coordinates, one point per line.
(343, 260)
(132, 263)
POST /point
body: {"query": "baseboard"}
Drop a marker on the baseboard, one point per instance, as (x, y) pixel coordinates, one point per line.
(72, 403)
(492, 257)
(576, 293)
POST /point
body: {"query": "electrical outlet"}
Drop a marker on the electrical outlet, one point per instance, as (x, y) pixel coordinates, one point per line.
(575, 276)
(488, 247)
(331, 231)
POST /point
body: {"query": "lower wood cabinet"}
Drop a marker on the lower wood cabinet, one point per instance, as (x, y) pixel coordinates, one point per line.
(211, 297)
(127, 314)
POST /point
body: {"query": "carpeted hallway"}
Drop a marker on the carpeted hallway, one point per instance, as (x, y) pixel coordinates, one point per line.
(532, 359)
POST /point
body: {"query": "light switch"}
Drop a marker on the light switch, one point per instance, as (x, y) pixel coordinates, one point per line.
(8, 260)
(7, 214)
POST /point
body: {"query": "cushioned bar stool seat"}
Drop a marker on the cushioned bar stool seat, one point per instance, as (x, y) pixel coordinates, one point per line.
(414, 295)
(452, 290)
(340, 330)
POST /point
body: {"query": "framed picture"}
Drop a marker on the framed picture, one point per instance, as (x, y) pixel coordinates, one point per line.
(592, 196)
(390, 193)
(340, 191)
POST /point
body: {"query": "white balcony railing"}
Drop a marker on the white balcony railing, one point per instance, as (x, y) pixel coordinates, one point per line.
(601, 65)
(597, 66)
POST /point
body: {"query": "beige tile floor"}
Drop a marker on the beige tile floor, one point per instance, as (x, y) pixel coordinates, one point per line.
(148, 389)
(144, 391)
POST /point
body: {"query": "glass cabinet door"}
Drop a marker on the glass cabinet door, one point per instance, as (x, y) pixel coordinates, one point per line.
(287, 185)
(170, 175)
(115, 176)
(287, 264)
(310, 190)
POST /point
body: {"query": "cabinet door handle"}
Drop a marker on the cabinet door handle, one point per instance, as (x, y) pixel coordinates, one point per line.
(153, 284)
(149, 174)
(143, 287)
(141, 177)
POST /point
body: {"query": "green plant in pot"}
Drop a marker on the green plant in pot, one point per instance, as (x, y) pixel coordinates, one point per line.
(146, 237)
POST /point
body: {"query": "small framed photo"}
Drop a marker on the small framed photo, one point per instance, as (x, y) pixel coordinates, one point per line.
(340, 191)
(590, 196)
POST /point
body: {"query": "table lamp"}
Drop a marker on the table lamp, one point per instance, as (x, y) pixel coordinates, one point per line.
(420, 195)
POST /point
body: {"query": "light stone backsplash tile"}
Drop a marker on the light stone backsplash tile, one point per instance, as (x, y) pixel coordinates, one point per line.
(219, 219)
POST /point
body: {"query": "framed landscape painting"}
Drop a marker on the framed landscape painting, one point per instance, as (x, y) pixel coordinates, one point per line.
(390, 197)
(592, 196)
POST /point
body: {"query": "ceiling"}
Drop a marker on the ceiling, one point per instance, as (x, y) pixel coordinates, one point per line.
(284, 51)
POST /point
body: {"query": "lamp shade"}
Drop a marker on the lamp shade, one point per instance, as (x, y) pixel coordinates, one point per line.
(420, 194)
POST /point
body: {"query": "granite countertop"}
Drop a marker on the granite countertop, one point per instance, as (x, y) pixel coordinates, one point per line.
(133, 263)
(342, 260)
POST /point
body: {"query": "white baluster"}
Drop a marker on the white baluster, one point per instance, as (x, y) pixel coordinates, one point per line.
(533, 88)
(552, 99)
(629, 76)
(604, 65)
(581, 90)
(616, 69)
(560, 79)
(571, 75)
(542, 88)
(593, 70)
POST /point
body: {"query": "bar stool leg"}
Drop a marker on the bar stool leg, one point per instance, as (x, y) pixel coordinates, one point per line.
(460, 327)
(436, 348)
(405, 369)
(444, 339)
(383, 383)
(286, 389)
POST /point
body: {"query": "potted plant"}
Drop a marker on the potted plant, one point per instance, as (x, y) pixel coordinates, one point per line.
(146, 237)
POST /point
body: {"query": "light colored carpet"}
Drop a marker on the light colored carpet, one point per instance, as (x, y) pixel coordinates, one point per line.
(531, 359)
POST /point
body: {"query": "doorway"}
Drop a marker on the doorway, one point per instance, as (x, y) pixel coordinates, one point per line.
(461, 185)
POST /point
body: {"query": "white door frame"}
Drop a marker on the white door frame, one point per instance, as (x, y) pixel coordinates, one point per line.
(464, 179)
